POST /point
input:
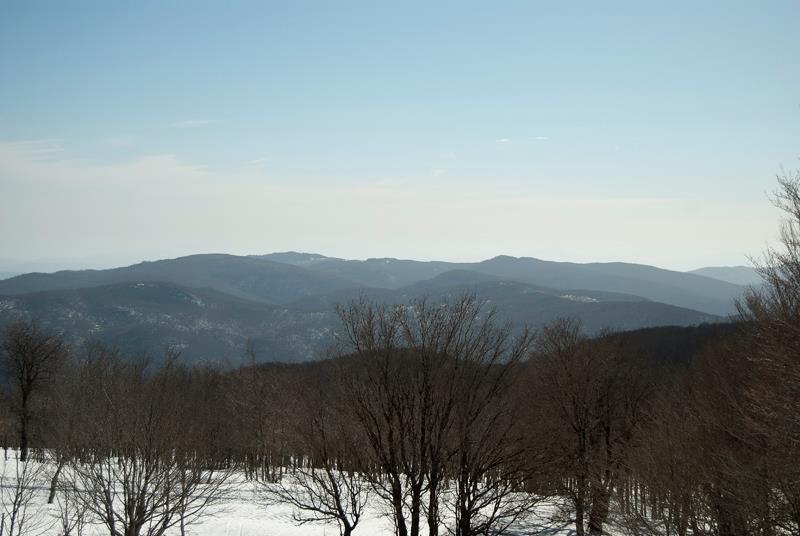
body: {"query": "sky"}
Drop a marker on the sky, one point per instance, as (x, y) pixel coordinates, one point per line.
(646, 132)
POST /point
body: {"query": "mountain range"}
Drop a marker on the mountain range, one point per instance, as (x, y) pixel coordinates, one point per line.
(211, 305)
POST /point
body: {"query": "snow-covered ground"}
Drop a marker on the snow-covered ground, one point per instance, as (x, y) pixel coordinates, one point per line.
(244, 512)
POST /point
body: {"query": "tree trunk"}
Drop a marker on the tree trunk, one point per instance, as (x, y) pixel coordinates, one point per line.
(433, 508)
(23, 435)
(599, 511)
(397, 504)
(134, 529)
(54, 483)
(579, 530)
(464, 524)
(416, 500)
(580, 506)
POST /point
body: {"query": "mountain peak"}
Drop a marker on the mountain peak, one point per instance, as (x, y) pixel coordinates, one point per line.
(502, 258)
(297, 258)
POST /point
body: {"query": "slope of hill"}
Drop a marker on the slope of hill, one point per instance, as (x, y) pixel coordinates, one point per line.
(384, 273)
(675, 288)
(211, 326)
(245, 277)
(524, 304)
(681, 289)
(738, 275)
(536, 306)
(146, 317)
(469, 277)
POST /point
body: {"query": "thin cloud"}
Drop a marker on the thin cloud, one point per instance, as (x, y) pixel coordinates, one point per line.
(35, 150)
(503, 140)
(34, 147)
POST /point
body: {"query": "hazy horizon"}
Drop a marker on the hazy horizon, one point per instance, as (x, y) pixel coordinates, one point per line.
(645, 133)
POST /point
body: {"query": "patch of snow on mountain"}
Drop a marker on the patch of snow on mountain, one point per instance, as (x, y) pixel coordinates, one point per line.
(582, 299)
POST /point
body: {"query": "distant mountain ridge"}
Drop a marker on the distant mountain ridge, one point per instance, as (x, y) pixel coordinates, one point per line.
(738, 275)
(244, 277)
(212, 304)
(681, 289)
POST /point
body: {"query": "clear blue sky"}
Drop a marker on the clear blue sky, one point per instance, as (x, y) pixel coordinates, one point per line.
(639, 131)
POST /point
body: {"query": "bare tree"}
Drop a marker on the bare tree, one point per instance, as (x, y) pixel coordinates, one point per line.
(773, 388)
(260, 414)
(490, 455)
(326, 485)
(18, 495)
(135, 475)
(424, 386)
(71, 513)
(591, 398)
(30, 356)
(774, 310)
(662, 493)
(387, 406)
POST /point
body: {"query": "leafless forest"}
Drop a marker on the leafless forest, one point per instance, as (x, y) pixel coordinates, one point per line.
(454, 422)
